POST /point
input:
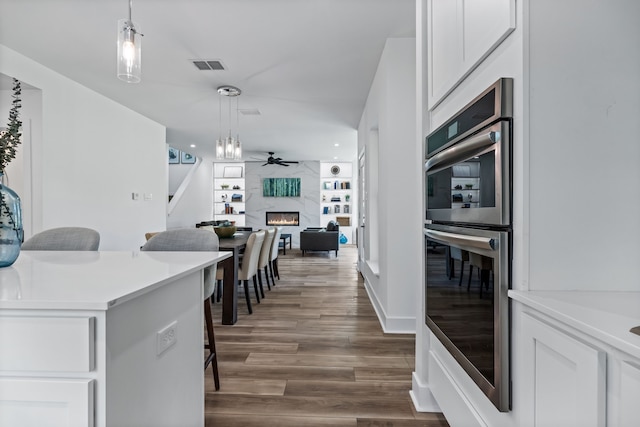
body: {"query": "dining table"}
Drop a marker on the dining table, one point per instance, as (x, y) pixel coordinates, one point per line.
(236, 244)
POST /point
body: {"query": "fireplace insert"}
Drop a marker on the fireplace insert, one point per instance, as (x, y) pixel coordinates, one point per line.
(283, 218)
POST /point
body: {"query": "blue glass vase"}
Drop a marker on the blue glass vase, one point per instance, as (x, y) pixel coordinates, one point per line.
(11, 232)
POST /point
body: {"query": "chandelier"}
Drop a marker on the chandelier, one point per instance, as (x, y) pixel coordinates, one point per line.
(129, 50)
(229, 147)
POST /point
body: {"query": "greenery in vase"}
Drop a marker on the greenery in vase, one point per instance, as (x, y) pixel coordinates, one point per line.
(10, 137)
(9, 141)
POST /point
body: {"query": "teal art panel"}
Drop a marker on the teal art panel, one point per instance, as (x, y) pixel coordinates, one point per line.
(281, 187)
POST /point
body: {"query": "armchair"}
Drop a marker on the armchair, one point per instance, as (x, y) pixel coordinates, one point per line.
(321, 239)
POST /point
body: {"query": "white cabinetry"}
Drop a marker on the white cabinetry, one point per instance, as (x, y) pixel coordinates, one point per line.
(229, 196)
(462, 34)
(577, 363)
(79, 339)
(566, 375)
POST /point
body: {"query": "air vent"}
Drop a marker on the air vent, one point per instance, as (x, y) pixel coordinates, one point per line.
(212, 65)
(249, 111)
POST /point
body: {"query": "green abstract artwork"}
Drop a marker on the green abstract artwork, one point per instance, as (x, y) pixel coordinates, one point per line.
(281, 187)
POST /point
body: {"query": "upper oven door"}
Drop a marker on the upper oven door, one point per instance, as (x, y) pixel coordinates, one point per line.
(469, 182)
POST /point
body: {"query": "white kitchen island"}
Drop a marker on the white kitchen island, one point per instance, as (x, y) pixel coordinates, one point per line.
(103, 339)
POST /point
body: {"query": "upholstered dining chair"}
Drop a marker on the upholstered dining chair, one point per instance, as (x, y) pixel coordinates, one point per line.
(196, 240)
(64, 239)
(249, 267)
(273, 256)
(485, 269)
(263, 260)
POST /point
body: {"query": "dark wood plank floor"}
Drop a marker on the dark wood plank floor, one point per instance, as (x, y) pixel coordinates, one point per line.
(313, 354)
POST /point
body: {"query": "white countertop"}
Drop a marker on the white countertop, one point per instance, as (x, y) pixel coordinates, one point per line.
(68, 280)
(607, 316)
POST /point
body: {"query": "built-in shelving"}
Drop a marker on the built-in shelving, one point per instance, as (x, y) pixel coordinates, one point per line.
(229, 192)
(336, 196)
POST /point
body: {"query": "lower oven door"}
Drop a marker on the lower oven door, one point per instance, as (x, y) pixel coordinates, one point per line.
(467, 309)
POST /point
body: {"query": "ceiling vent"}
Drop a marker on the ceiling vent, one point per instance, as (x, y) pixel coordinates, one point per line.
(212, 65)
(249, 111)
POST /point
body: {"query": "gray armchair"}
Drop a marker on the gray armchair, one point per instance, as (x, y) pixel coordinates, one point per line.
(321, 239)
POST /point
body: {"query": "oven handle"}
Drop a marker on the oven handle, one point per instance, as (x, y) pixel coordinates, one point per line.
(461, 239)
(464, 150)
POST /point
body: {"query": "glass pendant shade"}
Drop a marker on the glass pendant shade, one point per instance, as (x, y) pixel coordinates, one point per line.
(129, 51)
(220, 149)
(237, 151)
(229, 146)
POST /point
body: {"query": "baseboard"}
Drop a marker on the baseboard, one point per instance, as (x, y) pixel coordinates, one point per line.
(421, 396)
(390, 325)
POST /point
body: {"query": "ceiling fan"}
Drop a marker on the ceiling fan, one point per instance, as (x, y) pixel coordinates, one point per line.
(277, 160)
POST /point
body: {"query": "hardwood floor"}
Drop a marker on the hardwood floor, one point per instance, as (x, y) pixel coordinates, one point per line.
(313, 354)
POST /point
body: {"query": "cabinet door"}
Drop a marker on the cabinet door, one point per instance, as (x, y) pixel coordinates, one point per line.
(462, 33)
(567, 377)
(629, 394)
(46, 402)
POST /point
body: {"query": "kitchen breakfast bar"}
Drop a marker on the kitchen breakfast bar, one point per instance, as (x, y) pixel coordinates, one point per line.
(103, 338)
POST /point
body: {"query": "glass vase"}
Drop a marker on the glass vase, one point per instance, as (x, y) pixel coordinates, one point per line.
(11, 232)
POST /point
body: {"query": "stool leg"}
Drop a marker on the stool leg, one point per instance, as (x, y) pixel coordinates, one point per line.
(213, 357)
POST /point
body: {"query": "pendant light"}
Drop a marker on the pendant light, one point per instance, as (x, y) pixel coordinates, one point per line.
(229, 148)
(129, 50)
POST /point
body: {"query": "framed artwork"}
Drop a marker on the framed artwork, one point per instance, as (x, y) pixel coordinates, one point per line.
(281, 187)
(187, 158)
(174, 156)
(232, 172)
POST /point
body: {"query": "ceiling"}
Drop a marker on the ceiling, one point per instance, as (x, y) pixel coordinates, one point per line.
(305, 65)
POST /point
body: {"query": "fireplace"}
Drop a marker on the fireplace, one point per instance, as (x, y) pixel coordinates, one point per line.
(283, 218)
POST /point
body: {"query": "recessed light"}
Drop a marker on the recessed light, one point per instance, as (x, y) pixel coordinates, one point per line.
(336, 145)
(335, 158)
(193, 146)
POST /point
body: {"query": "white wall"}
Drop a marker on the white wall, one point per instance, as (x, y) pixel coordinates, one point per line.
(308, 204)
(584, 153)
(94, 153)
(390, 109)
(194, 203)
(177, 174)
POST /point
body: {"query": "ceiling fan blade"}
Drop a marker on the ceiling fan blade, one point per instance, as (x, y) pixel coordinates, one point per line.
(290, 162)
(266, 164)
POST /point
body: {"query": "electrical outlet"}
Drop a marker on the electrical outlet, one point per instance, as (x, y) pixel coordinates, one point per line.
(166, 337)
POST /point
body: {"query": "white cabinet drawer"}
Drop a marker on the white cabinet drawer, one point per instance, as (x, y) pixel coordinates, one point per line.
(54, 344)
(46, 402)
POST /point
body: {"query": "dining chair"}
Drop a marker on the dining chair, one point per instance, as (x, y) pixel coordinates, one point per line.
(64, 239)
(462, 256)
(263, 260)
(484, 265)
(249, 267)
(196, 240)
(273, 256)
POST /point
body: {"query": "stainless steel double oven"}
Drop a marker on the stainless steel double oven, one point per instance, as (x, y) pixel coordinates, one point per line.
(468, 232)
